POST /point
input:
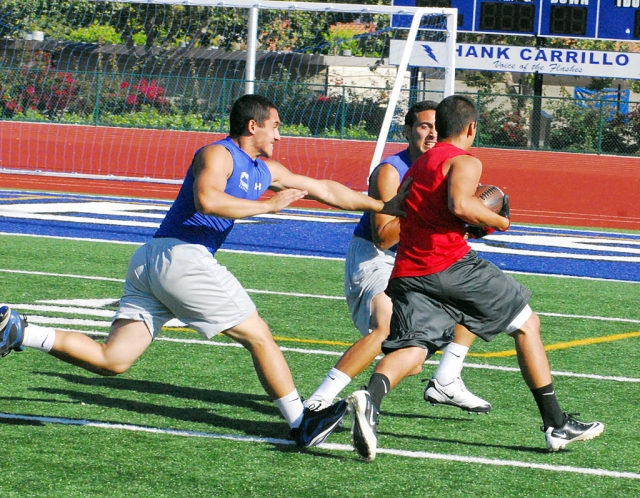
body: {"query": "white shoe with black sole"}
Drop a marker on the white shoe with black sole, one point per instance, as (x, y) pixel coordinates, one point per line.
(455, 394)
(364, 426)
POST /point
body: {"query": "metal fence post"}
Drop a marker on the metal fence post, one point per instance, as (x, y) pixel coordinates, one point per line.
(96, 109)
(600, 124)
(478, 125)
(223, 99)
(343, 117)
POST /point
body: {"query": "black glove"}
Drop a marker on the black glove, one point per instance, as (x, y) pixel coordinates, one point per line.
(476, 232)
(505, 211)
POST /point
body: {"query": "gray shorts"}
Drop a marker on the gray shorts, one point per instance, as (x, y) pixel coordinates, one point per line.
(366, 274)
(472, 292)
(168, 278)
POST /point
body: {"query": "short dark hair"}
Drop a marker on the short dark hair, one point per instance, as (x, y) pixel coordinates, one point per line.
(453, 115)
(245, 109)
(412, 114)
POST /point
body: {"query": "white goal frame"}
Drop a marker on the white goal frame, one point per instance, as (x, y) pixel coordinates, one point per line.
(253, 6)
(418, 13)
(446, 84)
(449, 75)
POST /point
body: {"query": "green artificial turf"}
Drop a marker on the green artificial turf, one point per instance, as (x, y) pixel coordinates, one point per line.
(211, 393)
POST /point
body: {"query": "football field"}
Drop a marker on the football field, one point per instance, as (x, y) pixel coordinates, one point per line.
(191, 419)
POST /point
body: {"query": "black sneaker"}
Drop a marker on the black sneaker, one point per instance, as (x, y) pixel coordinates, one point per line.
(11, 331)
(365, 422)
(316, 425)
(558, 438)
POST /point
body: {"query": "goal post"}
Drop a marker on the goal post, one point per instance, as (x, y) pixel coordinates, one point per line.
(451, 16)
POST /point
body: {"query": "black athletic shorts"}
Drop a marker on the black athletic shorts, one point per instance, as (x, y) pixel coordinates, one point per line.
(472, 292)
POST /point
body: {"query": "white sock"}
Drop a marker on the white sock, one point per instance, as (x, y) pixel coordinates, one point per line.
(291, 408)
(450, 365)
(331, 386)
(38, 337)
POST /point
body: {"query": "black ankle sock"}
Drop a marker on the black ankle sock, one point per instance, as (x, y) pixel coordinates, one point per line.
(552, 414)
(379, 386)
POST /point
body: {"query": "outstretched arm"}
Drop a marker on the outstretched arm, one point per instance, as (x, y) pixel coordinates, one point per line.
(212, 167)
(333, 193)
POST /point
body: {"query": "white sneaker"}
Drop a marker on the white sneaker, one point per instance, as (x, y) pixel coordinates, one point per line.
(364, 426)
(455, 394)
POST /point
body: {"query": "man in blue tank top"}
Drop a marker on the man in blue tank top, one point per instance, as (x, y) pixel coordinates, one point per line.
(175, 275)
(369, 262)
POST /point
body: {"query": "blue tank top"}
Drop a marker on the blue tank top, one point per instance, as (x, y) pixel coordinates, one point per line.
(401, 162)
(249, 180)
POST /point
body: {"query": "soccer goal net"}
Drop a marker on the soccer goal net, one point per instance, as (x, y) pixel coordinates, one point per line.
(130, 89)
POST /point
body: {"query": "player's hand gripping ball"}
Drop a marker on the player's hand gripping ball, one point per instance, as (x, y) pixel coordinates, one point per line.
(492, 197)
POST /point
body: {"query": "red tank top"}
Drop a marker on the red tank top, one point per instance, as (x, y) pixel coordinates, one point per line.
(431, 236)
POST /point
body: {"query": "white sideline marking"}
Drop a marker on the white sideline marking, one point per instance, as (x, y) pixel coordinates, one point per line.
(88, 277)
(555, 373)
(329, 446)
(74, 310)
(324, 352)
(478, 246)
(290, 294)
(45, 320)
(64, 275)
(77, 239)
(55, 210)
(575, 243)
(102, 208)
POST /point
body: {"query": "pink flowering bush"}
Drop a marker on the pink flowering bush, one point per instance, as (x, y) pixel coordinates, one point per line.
(39, 86)
(501, 128)
(131, 98)
(514, 126)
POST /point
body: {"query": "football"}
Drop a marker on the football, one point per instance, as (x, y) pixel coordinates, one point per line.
(491, 196)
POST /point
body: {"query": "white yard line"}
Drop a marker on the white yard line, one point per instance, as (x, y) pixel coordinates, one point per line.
(84, 307)
(293, 294)
(480, 247)
(63, 275)
(328, 446)
(325, 352)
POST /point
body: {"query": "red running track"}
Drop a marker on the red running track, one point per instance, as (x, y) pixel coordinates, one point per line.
(545, 187)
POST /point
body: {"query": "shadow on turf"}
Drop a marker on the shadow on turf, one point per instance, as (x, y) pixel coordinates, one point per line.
(460, 418)
(255, 402)
(244, 400)
(206, 415)
(465, 419)
(13, 421)
(525, 449)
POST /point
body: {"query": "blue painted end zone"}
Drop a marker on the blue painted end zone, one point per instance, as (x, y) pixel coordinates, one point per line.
(555, 251)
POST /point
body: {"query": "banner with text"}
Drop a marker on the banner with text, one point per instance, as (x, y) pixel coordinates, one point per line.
(556, 61)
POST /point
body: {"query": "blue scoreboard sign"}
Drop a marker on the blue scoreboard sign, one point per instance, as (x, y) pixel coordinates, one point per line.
(594, 19)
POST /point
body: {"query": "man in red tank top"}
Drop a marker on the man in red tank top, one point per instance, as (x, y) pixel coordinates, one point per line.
(438, 281)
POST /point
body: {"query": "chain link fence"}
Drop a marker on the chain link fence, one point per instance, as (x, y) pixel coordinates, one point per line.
(593, 124)
(151, 65)
(39, 92)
